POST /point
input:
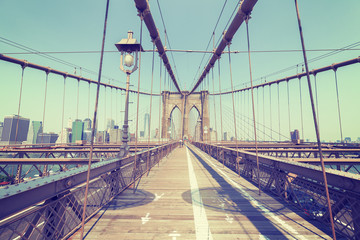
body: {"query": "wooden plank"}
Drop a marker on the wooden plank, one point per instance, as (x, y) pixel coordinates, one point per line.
(162, 208)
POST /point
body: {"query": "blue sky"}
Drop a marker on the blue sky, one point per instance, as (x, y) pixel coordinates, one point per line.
(69, 26)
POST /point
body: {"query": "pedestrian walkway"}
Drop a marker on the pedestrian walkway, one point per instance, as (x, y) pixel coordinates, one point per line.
(191, 196)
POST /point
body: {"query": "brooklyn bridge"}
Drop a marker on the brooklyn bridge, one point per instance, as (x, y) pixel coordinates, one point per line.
(245, 128)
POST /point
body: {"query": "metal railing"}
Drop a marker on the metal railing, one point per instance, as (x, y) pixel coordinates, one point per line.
(51, 207)
(301, 185)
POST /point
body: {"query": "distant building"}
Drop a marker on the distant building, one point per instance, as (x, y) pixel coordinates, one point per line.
(110, 124)
(47, 138)
(87, 135)
(146, 124)
(69, 123)
(295, 136)
(102, 137)
(132, 137)
(1, 128)
(87, 124)
(115, 135)
(34, 131)
(15, 129)
(65, 136)
(225, 136)
(77, 131)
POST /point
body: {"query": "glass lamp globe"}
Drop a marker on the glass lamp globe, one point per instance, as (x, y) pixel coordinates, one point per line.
(129, 60)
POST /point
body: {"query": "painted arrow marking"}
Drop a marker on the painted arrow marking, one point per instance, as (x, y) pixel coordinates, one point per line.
(174, 234)
(145, 219)
(229, 219)
(157, 197)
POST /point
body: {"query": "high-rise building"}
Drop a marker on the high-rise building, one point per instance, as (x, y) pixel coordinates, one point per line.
(64, 136)
(1, 128)
(69, 123)
(102, 137)
(87, 124)
(225, 136)
(87, 135)
(115, 135)
(295, 136)
(110, 124)
(146, 124)
(77, 131)
(15, 129)
(47, 138)
(34, 131)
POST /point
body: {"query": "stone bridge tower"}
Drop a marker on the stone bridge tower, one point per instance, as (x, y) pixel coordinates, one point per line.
(185, 102)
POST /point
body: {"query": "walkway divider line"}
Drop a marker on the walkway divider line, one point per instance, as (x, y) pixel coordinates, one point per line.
(201, 223)
(253, 201)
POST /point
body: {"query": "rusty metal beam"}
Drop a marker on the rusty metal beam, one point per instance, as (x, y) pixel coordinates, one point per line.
(244, 10)
(144, 10)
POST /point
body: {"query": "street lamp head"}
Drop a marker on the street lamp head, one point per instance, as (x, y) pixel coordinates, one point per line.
(129, 48)
(129, 60)
(129, 44)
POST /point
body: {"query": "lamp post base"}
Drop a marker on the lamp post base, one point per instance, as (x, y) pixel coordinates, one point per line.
(124, 150)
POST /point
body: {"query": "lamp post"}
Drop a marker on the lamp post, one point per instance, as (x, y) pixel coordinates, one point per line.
(129, 49)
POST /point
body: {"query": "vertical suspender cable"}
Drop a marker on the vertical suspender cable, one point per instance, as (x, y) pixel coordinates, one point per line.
(338, 104)
(151, 94)
(216, 135)
(105, 123)
(257, 109)
(94, 124)
(232, 95)
(18, 113)
(271, 138)
(278, 92)
(137, 106)
(116, 113)
(253, 105)
(316, 96)
(160, 96)
(264, 111)
(111, 110)
(288, 98)
(315, 122)
(221, 122)
(301, 111)
(77, 102)
(88, 115)
(63, 112)
(45, 93)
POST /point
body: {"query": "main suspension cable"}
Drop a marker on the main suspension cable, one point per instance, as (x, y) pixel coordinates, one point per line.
(316, 124)
(94, 124)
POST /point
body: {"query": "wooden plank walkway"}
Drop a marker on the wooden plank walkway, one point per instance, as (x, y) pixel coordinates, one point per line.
(191, 196)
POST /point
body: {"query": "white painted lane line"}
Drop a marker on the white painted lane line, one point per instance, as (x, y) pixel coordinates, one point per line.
(252, 200)
(201, 223)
